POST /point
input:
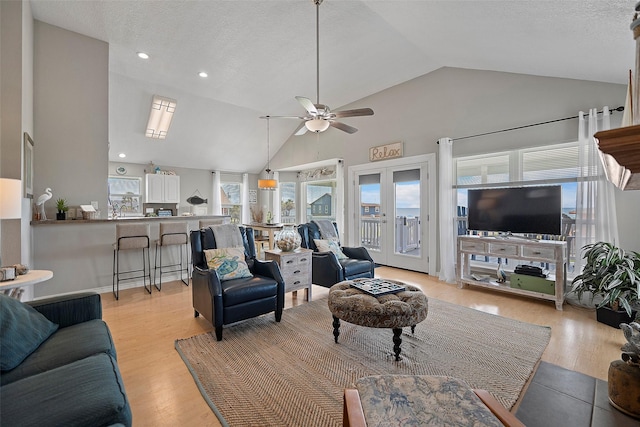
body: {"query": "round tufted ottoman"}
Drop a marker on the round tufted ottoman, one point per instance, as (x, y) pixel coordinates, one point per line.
(395, 311)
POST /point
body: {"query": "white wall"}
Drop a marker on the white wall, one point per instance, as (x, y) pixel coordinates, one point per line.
(71, 116)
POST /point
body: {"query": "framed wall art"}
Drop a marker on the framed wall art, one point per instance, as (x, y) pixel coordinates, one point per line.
(28, 166)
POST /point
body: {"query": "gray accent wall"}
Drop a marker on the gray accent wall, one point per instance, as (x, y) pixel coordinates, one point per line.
(456, 102)
(71, 116)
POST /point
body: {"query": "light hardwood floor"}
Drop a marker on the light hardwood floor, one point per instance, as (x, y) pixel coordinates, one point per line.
(163, 393)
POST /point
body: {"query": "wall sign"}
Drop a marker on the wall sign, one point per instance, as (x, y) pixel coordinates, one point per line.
(253, 196)
(385, 152)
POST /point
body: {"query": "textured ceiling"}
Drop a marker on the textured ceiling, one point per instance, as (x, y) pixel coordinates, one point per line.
(259, 55)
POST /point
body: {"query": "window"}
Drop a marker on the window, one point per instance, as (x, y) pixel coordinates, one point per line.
(230, 195)
(555, 164)
(366, 209)
(124, 195)
(321, 198)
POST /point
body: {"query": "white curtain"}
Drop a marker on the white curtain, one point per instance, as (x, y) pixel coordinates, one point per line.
(596, 205)
(216, 200)
(246, 209)
(275, 199)
(447, 215)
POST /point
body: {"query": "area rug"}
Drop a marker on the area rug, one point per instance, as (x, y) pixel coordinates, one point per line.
(292, 373)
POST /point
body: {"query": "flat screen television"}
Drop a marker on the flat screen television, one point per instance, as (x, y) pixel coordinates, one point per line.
(523, 210)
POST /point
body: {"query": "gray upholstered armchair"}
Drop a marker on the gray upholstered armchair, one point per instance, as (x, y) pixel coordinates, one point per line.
(222, 302)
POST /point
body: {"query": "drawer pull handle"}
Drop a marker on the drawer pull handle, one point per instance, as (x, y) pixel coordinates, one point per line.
(297, 282)
(537, 253)
(303, 259)
(290, 261)
(296, 272)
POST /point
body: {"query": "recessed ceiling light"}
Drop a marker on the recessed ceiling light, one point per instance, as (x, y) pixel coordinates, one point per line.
(203, 74)
(122, 155)
(143, 55)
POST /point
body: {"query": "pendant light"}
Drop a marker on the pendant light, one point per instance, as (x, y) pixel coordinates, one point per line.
(268, 183)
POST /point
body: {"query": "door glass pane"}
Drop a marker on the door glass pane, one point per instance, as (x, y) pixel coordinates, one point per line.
(287, 202)
(369, 190)
(407, 212)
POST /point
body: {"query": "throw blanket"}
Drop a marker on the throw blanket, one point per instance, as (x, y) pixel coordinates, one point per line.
(327, 230)
(227, 235)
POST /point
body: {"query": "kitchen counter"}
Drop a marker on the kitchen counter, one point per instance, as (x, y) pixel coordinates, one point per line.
(80, 252)
(130, 218)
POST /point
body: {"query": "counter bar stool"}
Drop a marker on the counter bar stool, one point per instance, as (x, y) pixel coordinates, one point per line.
(129, 237)
(172, 234)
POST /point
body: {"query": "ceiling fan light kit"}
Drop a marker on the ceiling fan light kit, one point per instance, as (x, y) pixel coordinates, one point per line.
(317, 125)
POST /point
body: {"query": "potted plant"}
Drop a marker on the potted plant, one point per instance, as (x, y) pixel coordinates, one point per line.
(614, 275)
(61, 205)
(624, 375)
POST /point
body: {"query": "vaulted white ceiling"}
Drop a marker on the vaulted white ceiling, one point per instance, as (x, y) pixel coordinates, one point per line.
(260, 54)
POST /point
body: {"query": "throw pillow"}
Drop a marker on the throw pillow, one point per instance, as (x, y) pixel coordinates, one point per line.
(22, 330)
(330, 246)
(229, 263)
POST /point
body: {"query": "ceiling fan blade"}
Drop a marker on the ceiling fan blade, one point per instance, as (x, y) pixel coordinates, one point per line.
(307, 105)
(343, 127)
(301, 130)
(353, 113)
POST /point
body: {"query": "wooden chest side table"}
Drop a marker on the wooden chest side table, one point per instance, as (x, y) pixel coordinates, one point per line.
(295, 268)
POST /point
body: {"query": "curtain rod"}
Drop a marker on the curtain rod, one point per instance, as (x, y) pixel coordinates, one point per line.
(621, 108)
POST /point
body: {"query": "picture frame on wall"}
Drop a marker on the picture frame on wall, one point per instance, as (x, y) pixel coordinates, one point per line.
(28, 166)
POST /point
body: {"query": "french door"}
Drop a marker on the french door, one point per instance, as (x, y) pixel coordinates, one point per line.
(391, 205)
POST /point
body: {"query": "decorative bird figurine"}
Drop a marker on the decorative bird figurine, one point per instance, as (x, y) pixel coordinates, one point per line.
(40, 202)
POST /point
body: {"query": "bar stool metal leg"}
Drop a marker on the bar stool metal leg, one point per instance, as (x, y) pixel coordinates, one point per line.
(171, 234)
(131, 237)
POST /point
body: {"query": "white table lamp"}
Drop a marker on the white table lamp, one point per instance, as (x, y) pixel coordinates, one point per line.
(10, 198)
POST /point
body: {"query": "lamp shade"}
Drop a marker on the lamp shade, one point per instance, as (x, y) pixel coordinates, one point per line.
(317, 125)
(267, 184)
(10, 198)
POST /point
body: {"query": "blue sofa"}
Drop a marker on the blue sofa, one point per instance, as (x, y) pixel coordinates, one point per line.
(58, 364)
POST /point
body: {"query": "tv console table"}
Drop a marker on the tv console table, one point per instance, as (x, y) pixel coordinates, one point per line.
(543, 251)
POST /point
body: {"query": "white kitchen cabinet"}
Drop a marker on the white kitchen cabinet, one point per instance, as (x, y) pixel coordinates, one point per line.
(162, 188)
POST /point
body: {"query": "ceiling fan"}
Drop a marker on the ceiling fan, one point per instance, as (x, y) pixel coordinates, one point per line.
(319, 116)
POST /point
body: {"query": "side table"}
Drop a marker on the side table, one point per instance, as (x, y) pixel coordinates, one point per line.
(295, 268)
(13, 287)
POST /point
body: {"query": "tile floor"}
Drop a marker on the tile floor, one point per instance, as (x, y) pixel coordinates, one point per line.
(560, 397)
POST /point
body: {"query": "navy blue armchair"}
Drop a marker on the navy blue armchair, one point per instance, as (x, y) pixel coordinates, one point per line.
(327, 269)
(222, 302)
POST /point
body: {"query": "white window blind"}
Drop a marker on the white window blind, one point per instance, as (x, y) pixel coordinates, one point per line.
(483, 169)
(552, 163)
